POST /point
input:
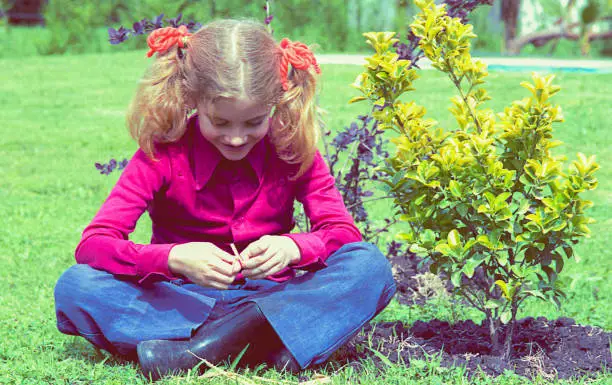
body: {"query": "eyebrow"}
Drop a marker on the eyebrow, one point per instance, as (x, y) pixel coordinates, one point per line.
(248, 120)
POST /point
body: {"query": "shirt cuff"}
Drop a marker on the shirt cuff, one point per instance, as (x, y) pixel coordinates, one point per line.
(312, 251)
(153, 262)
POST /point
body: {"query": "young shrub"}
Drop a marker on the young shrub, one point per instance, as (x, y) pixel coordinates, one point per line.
(486, 201)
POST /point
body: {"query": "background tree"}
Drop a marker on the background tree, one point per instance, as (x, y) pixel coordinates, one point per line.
(509, 15)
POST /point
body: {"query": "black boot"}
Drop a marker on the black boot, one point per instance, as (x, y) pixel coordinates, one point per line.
(282, 360)
(216, 341)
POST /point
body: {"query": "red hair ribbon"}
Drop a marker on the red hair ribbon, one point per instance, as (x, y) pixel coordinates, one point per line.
(160, 40)
(299, 56)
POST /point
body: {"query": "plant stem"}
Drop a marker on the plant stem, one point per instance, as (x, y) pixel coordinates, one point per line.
(473, 301)
(510, 332)
(531, 152)
(457, 84)
(368, 200)
(350, 154)
(493, 328)
(384, 228)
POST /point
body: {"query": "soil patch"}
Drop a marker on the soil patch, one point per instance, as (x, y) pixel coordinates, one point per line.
(549, 348)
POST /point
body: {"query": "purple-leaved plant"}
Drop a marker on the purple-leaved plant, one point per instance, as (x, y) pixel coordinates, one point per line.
(269, 17)
(107, 168)
(144, 26)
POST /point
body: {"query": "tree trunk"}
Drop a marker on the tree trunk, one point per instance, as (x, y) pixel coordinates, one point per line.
(509, 15)
(493, 332)
(510, 333)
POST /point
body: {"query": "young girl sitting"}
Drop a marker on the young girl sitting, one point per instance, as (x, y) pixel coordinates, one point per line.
(223, 177)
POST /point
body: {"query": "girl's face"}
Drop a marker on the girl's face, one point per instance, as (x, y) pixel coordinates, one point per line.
(233, 126)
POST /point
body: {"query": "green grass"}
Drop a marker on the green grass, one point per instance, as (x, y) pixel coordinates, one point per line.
(61, 114)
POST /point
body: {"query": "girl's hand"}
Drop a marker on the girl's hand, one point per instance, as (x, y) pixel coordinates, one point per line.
(269, 255)
(204, 264)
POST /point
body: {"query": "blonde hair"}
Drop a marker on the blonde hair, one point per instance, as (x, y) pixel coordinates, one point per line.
(227, 59)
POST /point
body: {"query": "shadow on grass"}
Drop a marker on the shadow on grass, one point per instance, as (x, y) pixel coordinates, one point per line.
(79, 349)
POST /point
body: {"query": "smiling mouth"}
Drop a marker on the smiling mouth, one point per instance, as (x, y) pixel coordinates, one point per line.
(235, 148)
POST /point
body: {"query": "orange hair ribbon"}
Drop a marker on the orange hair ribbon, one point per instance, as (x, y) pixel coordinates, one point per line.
(160, 40)
(299, 56)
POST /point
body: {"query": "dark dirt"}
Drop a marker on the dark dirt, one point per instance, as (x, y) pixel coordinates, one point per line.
(549, 348)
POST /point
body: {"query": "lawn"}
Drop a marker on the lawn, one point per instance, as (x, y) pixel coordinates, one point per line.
(60, 115)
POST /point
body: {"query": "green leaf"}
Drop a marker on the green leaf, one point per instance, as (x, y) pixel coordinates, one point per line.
(493, 304)
(470, 266)
(419, 201)
(357, 99)
(535, 293)
(454, 188)
(462, 209)
(454, 239)
(501, 258)
(456, 278)
(500, 200)
(506, 316)
(444, 249)
(427, 237)
(504, 288)
(483, 209)
(483, 239)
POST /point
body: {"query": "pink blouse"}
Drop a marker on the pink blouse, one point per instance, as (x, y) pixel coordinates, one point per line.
(193, 194)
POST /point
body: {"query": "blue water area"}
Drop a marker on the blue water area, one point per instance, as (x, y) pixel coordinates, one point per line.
(502, 67)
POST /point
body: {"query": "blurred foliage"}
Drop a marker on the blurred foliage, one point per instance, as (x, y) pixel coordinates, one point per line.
(71, 23)
(335, 25)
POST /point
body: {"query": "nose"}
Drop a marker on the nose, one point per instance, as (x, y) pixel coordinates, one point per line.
(236, 140)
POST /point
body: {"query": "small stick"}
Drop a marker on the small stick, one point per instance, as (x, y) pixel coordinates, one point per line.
(237, 255)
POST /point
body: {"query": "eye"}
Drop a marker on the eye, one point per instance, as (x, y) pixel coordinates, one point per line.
(255, 124)
(220, 123)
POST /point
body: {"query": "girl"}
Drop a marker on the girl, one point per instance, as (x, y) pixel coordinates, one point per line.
(225, 175)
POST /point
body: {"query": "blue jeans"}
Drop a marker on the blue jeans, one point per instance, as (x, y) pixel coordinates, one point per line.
(313, 314)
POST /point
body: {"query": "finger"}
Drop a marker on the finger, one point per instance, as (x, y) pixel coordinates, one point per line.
(266, 273)
(236, 266)
(276, 269)
(254, 249)
(271, 261)
(255, 262)
(222, 255)
(212, 275)
(222, 267)
(258, 261)
(218, 282)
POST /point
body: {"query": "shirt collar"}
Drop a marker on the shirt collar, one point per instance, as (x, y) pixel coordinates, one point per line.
(206, 157)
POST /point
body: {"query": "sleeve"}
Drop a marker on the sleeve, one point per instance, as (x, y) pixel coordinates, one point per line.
(331, 224)
(104, 243)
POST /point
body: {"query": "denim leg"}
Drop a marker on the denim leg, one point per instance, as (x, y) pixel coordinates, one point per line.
(116, 314)
(316, 313)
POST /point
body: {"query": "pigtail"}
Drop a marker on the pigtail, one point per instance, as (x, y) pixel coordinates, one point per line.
(158, 112)
(296, 131)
